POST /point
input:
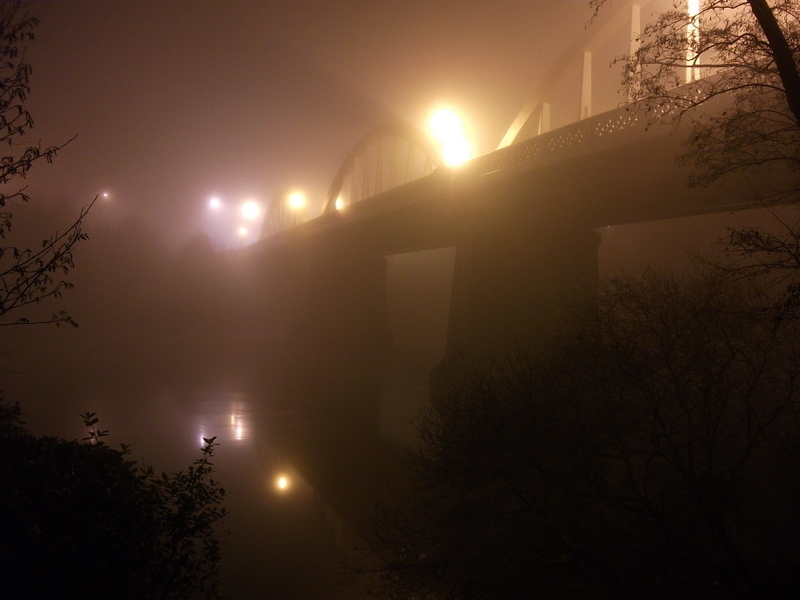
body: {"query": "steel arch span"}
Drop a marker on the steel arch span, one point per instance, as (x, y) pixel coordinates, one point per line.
(387, 157)
(286, 209)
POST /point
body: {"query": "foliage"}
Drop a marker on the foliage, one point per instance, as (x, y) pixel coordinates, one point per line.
(650, 450)
(27, 276)
(744, 111)
(80, 520)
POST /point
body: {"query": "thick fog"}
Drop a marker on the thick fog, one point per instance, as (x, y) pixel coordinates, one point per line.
(167, 104)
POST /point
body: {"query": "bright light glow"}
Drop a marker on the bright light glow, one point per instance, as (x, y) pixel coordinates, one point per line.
(239, 432)
(214, 203)
(339, 204)
(692, 40)
(447, 128)
(296, 200)
(456, 151)
(445, 125)
(105, 194)
(251, 210)
(282, 483)
(242, 231)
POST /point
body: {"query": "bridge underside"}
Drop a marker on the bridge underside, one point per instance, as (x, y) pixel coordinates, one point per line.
(520, 228)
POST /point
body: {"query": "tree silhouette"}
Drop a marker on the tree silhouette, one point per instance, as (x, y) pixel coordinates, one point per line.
(27, 276)
(647, 450)
(80, 520)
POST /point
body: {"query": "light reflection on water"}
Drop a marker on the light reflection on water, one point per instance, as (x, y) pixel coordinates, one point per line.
(276, 547)
(212, 419)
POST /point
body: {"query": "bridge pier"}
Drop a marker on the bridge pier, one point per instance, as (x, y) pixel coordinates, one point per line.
(514, 270)
(342, 338)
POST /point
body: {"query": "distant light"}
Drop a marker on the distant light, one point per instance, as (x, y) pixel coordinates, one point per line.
(447, 128)
(296, 200)
(456, 151)
(251, 210)
(215, 203)
(239, 432)
(105, 194)
(282, 483)
(339, 204)
(445, 124)
(693, 41)
(242, 231)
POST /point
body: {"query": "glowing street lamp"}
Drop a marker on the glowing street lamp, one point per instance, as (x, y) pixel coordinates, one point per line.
(693, 41)
(296, 200)
(447, 128)
(251, 210)
(282, 483)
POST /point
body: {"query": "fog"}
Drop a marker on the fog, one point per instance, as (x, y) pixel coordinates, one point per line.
(174, 102)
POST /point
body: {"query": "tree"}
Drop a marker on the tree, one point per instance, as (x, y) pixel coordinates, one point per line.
(80, 520)
(648, 450)
(729, 69)
(27, 277)
(734, 57)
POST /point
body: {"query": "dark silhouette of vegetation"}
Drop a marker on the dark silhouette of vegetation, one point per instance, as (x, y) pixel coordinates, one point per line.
(739, 58)
(650, 449)
(743, 112)
(80, 520)
(27, 276)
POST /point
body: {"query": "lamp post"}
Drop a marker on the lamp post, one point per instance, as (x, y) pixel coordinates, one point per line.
(447, 129)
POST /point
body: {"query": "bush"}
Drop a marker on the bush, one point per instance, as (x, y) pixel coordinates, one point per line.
(80, 520)
(649, 450)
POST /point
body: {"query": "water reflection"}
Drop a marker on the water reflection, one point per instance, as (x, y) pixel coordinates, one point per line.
(213, 412)
(275, 513)
(276, 547)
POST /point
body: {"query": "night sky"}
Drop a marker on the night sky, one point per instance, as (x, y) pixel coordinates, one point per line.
(175, 101)
(172, 102)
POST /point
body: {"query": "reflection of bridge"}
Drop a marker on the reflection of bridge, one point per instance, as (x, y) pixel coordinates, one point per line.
(521, 220)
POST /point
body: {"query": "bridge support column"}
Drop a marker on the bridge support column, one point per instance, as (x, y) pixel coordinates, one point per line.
(343, 340)
(513, 272)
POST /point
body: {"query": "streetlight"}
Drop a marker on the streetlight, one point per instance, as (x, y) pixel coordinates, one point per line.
(251, 210)
(296, 200)
(282, 483)
(447, 128)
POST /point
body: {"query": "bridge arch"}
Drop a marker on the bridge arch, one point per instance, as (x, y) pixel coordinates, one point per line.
(286, 209)
(388, 156)
(581, 83)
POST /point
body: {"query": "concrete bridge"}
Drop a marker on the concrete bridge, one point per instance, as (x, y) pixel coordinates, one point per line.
(515, 230)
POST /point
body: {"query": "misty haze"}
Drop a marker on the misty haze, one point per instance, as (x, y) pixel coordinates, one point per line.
(490, 300)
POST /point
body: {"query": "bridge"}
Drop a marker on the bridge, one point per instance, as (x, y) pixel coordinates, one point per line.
(515, 230)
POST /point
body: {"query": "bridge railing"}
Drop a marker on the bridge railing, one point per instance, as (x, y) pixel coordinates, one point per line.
(574, 111)
(387, 157)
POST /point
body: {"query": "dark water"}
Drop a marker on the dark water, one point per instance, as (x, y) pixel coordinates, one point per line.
(162, 373)
(277, 546)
